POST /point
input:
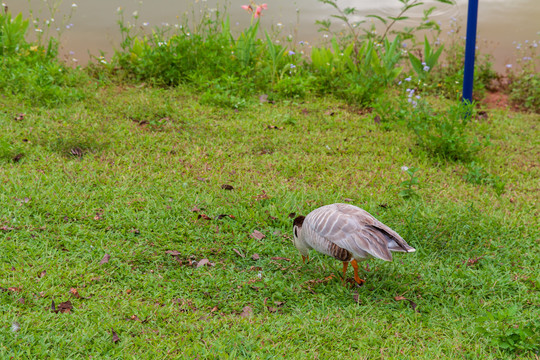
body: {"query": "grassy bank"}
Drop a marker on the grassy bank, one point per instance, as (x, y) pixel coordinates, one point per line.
(137, 173)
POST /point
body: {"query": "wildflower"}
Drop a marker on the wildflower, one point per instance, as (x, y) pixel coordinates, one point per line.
(71, 52)
(399, 83)
(33, 48)
(291, 53)
(527, 58)
(426, 68)
(259, 9)
(418, 97)
(301, 42)
(279, 24)
(508, 66)
(404, 44)
(408, 90)
(39, 30)
(293, 66)
(325, 36)
(144, 24)
(73, 5)
(404, 168)
(535, 44)
(119, 9)
(408, 79)
(135, 14)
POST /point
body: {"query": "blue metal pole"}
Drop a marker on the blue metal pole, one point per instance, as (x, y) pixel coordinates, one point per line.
(470, 48)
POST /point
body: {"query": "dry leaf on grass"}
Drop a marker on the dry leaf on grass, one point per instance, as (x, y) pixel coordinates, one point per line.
(280, 258)
(115, 337)
(246, 312)
(257, 235)
(227, 187)
(255, 256)
(105, 259)
(401, 298)
(239, 253)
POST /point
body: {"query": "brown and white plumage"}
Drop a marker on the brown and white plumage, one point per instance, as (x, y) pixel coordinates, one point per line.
(347, 233)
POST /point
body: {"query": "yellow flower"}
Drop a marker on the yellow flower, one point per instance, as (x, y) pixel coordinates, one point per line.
(33, 48)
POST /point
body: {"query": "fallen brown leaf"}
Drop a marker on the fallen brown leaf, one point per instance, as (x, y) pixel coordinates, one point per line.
(75, 293)
(377, 119)
(255, 257)
(204, 216)
(173, 252)
(215, 308)
(280, 258)
(246, 312)
(292, 215)
(239, 253)
(14, 289)
(115, 337)
(21, 300)
(42, 274)
(18, 157)
(105, 259)
(348, 200)
(227, 187)
(134, 318)
(413, 304)
(204, 262)
(20, 116)
(257, 235)
(64, 307)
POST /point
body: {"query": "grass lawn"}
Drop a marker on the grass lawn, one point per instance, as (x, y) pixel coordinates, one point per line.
(137, 174)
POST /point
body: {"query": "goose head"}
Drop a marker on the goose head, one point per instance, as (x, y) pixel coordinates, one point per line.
(298, 240)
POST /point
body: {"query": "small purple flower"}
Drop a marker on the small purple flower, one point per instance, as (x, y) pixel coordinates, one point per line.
(508, 66)
(291, 53)
(399, 83)
(293, 66)
(404, 44)
(301, 42)
(426, 68)
(408, 79)
(418, 97)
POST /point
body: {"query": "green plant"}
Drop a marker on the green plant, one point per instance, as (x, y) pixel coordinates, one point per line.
(354, 28)
(444, 134)
(478, 175)
(507, 331)
(33, 72)
(422, 68)
(408, 190)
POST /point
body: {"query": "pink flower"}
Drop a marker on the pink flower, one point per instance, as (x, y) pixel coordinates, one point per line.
(248, 8)
(264, 6)
(258, 11)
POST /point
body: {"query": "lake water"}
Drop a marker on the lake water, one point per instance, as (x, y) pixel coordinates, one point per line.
(502, 24)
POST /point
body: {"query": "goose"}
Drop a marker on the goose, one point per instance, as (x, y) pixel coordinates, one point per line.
(347, 233)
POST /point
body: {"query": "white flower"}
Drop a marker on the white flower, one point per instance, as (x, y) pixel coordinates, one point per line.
(73, 5)
(135, 13)
(404, 168)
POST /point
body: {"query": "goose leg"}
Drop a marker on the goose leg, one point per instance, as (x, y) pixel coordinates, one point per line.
(345, 265)
(356, 277)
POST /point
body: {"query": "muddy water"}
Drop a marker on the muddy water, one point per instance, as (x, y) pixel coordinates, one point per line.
(502, 24)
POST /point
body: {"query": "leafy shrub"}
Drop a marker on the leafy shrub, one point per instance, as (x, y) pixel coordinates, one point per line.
(31, 71)
(444, 135)
(506, 331)
(525, 91)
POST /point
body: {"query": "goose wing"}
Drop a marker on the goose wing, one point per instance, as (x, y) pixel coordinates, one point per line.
(356, 230)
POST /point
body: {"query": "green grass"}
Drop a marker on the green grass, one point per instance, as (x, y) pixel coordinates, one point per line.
(150, 155)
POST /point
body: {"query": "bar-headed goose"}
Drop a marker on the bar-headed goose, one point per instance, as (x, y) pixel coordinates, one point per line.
(347, 233)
